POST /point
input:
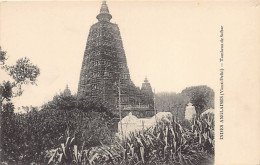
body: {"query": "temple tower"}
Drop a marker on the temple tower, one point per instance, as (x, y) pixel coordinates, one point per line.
(147, 93)
(104, 67)
(104, 62)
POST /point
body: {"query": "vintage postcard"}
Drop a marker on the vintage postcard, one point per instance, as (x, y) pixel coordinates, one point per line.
(130, 82)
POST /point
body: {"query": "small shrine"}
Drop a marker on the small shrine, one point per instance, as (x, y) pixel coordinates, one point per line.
(190, 112)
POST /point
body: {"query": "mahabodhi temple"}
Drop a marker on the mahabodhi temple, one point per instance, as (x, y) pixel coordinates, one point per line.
(105, 74)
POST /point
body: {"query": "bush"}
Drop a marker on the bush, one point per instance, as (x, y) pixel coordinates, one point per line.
(78, 132)
(26, 137)
(162, 144)
(186, 124)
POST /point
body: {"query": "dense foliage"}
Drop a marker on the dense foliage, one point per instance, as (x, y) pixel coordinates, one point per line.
(165, 143)
(22, 73)
(38, 131)
(171, 102)
(202, 98)
(71, 131)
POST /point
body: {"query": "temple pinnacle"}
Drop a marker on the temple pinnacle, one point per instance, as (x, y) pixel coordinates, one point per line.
(104, 14)
(104, 8)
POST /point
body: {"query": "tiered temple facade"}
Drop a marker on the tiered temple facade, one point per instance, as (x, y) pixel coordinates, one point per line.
(105, 74)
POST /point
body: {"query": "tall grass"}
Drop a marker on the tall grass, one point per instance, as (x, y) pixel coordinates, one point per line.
(169, 143)
(165, 143)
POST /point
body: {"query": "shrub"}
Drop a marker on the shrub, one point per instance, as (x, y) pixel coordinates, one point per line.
(162, 144)
(26, 137)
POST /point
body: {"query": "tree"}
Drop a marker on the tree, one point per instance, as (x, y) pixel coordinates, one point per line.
(3, 57)
(22, 73)
(202, 97)
(171, 102)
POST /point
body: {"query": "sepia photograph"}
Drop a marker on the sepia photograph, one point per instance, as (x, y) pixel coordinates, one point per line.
(127, 82)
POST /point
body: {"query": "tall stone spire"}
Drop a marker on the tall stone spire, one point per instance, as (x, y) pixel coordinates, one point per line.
(104, 62)
(147, 92)
(104, 14)
(104, 65)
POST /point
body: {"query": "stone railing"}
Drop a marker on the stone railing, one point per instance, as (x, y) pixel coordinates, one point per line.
(132, 107)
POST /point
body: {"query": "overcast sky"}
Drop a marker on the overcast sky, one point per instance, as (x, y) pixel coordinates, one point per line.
(174, 44)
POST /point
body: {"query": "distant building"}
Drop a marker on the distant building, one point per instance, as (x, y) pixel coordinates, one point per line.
(67, 91)
(105, 74)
